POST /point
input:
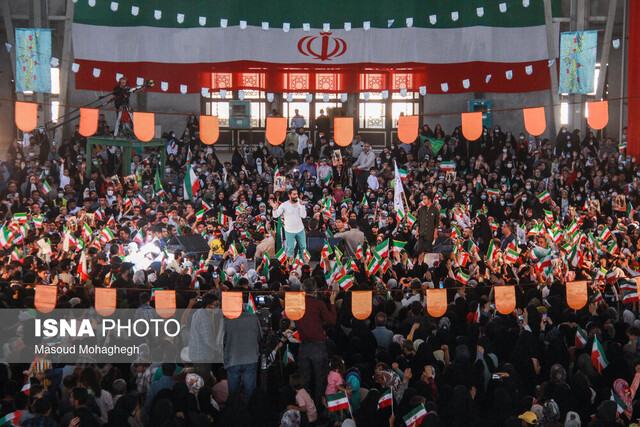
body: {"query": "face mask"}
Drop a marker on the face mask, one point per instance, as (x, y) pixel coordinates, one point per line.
(379, 162)
(483, 197)
(502, 203)
(605, 180)
(509, 165)
(109, 193)
(569, 145)
(46, 171)
(620, 168)
(261, 145)
(578, 198)
(258, 199)
(168, 170)
(528, 187)
(331, 143)
(503, 179)
(521, 137)
(310, 146)
(60, 195)
(524, 199)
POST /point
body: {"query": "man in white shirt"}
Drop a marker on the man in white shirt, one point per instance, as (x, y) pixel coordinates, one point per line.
(297, 121)
(366, 160)
(303, 139)
(357, 146)
(292, 212)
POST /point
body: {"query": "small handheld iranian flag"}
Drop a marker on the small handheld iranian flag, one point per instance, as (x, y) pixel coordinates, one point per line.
(346, 282)
(295, 337)
(106, 235)
(191, 184)
(598, 358)
(386, 399)
(281, 255)
(374, 264)
(12, 418)
(20, 218)
(581, 337)
(620, 405)
(544, 196)
(548, 218)
(410, 220)
(82, 267)
(200, 215)
(414, 418)
(26, 388)
(223, 219)
(462, 277)
(326, 250)
(398, 246)
(629, 290)
(307, 256)
(86, 230)
(338, 401)
(37, 221)
(251, 305)
(287, 356)
(232, 250)
(359, 254)
(45, 188)
(382, 249)
(493, 192)
(403, 174)
(511, 256)
(327, 179)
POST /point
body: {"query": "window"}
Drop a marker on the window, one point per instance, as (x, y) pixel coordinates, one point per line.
(299, 102)
(408, 105)
(564, 113)
(55, 92)
(334, 102)
(216, 106)
(372, 112)
(258, 107)
(596, 75)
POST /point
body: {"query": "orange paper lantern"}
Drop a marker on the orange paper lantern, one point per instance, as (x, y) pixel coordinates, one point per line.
(343, 130)
(577, 294)
(472, 125)
(276, 131)
(209, 129)
(534, 120)
(232, 304)
(436, 302)
(505, 297)
(361, 304)
(144, 126)
(105, 301)
(165, 303)
(88, 121)
(46, 298)
(294, 305)
(26, 116)
(408, 129)
(598, 114)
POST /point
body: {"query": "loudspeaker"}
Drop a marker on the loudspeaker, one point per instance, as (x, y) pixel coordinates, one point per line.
(194, 243)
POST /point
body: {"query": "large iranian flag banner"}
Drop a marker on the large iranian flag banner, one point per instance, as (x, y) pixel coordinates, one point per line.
(286, 46)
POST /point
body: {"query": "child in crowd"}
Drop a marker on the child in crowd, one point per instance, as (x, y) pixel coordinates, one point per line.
(304, 402)
(335, 384)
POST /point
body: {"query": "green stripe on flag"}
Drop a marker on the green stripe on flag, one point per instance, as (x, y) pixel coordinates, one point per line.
(254, 12)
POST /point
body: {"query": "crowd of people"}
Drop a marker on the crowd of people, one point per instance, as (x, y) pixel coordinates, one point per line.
(470, 216)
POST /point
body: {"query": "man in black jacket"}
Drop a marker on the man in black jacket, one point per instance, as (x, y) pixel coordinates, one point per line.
(427, 224)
